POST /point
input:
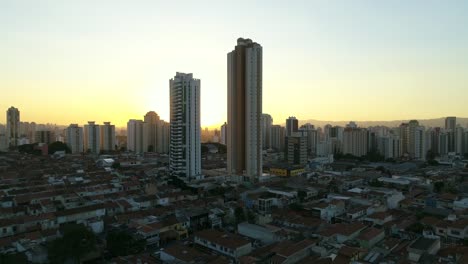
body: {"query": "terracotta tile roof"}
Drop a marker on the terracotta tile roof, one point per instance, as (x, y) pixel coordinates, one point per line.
(288, 248)
(370, 233)
(228, 240)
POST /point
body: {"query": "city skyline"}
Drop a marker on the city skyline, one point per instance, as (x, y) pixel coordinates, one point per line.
(323, 63)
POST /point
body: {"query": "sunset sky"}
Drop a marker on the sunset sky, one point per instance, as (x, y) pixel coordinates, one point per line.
(73, 61)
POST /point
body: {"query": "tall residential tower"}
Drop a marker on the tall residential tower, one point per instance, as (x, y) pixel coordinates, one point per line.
(185, 140)
(12, 126)
(244, 133)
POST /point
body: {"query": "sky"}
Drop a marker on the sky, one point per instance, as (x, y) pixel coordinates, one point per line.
(108, 60)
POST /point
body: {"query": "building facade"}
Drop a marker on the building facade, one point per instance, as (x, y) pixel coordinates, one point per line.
(135, 136)
(355, 141)
(267, 122)
(74, 138)
(244, 133)
(92, 137)
(185, 140)
(12, 126)
(108, 141)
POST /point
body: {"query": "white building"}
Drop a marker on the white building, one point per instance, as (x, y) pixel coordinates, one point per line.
(355, 141)
(244, 135)
(223, 134)
(12, 126)
(267, 122)
(108, 141)
(92, 137)
(312, 137)
(135, 134)
(389, 146)
(277, 137)
(460, 140)
(163, 137)
(74, 138)
(185, 140)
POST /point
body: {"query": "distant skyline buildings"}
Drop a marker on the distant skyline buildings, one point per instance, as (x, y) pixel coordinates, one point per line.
(244, 107)
(12, 126)
(408, 55)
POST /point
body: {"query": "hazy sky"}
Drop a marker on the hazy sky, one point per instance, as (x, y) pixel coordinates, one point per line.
(73, 61)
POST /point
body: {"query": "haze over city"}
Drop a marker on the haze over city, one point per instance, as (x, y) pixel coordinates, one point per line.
(73, 61)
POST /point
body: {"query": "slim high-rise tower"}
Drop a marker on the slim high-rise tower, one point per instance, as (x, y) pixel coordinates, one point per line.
(152, 121)
(12, 126)
(74, 138)
(107, 137)
(292, 125)
(185, 140)
(244, 133)
(92, 138)
(135, 136)
(267, 122)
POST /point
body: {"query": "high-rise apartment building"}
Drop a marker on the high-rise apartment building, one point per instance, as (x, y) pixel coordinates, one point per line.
(74, 138)
(92, 137)
(267, 122)
(223, 138)
(292, 125)
(459, 140)
(12, 126)
(163, 137)
(135, 136)
(28, 130)
(151, 130)
(416, 140)
(277, 137)
(108, 141)
(355, 141)
(450, 125)
(244, 133)
(185, 141)
(296, 149)
(44, 136)
(389, 146)
(312, 137)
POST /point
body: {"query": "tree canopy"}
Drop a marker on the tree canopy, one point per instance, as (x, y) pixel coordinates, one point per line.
(76, 242)
(121, 243)
(58, 146)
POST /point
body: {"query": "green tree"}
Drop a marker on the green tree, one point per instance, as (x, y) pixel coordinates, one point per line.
(30, 149)
(76, 242)
(239, 215)
(58, 146)
(251, 217)
(439, 186)
(121, 243)
(296, 207)
(18, 258)
(301, 194)
(417, 228)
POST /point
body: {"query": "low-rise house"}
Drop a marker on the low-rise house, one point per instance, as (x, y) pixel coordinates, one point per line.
(265, 234)
(179, 253)
(356, 213)
(369, 237)
(422, 246)
(379, 218)
(349, 254)
(80, 214)
(288, 252)
(342, 232)
(231, 245)
(328, 211)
